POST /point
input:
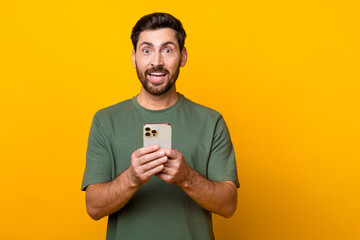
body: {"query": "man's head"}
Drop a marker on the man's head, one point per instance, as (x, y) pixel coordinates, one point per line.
(156, 21)
(159, 51)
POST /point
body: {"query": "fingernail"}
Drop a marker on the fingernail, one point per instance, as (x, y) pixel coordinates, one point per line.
(162, 153)
(156, 147)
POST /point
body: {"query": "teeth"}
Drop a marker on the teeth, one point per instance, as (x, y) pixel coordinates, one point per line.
(158, 74)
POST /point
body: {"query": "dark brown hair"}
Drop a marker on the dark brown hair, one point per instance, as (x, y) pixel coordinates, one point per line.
(156, 21)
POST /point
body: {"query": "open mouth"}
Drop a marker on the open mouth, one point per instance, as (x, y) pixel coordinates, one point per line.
(157, 76)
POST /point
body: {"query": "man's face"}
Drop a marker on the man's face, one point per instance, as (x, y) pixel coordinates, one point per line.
(158, 60)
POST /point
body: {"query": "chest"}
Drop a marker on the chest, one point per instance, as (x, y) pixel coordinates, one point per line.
(193, 140)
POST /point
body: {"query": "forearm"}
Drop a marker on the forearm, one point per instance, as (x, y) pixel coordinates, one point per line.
(217, 197)
(103, 199)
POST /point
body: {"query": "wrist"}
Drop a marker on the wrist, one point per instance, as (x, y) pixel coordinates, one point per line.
(189, 179)
(130, 180)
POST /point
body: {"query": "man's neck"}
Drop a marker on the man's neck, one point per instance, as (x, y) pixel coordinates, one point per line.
(161, 102)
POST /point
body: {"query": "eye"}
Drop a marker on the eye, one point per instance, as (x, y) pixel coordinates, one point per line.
(146, 50)
(168, 50)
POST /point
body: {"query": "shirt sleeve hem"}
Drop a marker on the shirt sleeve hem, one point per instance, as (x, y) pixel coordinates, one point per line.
(88, 182)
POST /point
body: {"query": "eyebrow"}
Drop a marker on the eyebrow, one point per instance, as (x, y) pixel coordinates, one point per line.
(162, 45)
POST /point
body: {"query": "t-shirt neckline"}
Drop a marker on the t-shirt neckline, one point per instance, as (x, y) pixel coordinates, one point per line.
(162, 111)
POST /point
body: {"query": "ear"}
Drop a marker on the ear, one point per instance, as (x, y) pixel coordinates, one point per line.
(183, 57)
(133, 58)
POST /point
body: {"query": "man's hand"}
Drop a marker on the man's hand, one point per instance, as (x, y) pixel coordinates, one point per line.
(176, 171)
(146, 162)
(103, 199)
(218, 197)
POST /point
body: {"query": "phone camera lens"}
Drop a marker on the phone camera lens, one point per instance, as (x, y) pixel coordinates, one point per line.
(147, 134)
(147, 129)
(153, 131)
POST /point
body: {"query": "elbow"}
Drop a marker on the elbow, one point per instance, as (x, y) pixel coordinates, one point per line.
(92, 209)
(95, 215)
(229, 212)
(230, 208)
(226, 211)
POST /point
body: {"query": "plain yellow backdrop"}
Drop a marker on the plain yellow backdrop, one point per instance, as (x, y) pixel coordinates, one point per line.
(284, 74)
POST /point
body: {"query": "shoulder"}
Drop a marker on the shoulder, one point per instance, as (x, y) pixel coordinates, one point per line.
(107, 118)
(200, 110)
(113, 111)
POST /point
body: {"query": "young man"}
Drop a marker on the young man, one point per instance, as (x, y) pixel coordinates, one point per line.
(151, 192)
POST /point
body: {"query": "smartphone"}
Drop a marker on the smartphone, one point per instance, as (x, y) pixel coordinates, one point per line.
(157, 133)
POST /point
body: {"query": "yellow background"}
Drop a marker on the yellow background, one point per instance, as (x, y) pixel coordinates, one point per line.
(285, 75)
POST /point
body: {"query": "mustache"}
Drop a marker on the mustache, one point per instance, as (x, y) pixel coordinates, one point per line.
(157, 69)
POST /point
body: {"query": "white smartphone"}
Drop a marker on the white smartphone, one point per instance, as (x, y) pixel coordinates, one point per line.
(157, 133)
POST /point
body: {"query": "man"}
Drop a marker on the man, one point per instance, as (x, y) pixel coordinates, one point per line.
(151, 192)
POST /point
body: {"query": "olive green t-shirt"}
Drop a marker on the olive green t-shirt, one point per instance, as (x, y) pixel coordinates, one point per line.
(159, 210)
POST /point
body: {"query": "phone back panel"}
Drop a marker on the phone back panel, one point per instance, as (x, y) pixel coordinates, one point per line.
(157, 133)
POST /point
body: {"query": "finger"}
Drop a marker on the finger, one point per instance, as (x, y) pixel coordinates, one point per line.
(165, 169)
(168, 166)
(161, 175)
(151, 157)
(164, 176)
(170, 153)
(155, 170)
(145, 150)
(154, 164)
(144, 172)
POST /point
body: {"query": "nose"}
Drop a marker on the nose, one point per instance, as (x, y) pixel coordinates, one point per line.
(157, 60)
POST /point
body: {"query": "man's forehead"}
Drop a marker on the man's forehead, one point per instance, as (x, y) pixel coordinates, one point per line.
(158, 36)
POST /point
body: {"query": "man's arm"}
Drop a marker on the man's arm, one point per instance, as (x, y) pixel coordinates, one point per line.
(217, 197)
(103, 199)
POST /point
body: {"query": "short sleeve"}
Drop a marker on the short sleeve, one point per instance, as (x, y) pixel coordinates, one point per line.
(222, 164)
(98, 157)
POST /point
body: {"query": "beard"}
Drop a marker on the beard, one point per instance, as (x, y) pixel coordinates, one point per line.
(158, 89)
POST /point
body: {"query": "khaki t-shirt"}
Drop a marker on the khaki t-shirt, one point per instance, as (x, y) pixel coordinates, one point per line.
(159, 210)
